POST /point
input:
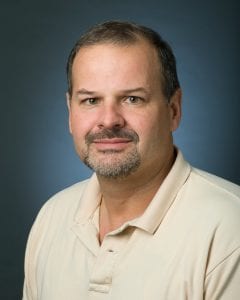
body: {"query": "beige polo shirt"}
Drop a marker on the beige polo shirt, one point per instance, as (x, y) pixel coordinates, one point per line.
(186, 245)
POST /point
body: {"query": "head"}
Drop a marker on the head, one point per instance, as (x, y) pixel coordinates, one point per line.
(126, 33)
(123, 100)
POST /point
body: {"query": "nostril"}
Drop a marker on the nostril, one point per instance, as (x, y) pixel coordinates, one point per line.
(117, 125)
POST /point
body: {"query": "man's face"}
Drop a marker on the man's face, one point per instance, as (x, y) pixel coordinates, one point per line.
(119, 119)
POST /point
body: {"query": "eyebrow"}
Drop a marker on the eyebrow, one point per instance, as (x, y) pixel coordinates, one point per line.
(83, 91)
(140, 89)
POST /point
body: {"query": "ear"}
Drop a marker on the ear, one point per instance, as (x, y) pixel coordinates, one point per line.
(68, 100)
(175, 105)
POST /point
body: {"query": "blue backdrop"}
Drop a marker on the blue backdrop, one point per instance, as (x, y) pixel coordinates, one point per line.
(37, 155)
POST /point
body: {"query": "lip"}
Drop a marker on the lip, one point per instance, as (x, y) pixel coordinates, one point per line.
(111, 144)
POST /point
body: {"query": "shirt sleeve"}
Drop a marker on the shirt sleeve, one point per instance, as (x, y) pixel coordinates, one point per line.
(223, 282)
(33, 244)
(26, 295)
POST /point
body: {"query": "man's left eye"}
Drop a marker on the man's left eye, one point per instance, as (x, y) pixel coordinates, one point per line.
(133, 99)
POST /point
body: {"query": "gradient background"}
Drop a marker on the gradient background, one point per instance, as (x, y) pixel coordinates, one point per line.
(37, 156)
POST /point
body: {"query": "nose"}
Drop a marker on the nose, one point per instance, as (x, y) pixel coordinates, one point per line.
(111, 117)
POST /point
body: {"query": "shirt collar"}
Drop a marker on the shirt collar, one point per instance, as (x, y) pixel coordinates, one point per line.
(156, 210)
(165, 196)
(90, 200)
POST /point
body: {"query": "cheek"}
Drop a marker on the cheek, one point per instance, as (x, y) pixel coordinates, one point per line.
(154, 130)
(78, 131)
(79, 124)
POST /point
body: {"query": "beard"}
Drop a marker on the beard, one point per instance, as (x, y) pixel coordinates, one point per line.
(112, 163)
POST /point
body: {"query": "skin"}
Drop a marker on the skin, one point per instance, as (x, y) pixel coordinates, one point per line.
(119, 87)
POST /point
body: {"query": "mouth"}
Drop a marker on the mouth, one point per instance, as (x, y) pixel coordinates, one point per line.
(116, 144)
(112, 140)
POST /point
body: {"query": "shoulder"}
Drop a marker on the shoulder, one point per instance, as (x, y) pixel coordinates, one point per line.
(213, 189)
(60, 208)
(216, 183)
(55, 216)
(213, 205)
(68, 196)
(220, 197)
(216, 202)
(57, 212)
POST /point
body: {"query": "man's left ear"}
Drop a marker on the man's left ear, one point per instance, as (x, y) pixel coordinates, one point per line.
(175, 105)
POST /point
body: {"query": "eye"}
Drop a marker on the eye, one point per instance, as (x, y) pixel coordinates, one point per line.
(133, 99)
(90, 101)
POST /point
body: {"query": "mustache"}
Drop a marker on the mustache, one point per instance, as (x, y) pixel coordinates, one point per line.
(112, 133)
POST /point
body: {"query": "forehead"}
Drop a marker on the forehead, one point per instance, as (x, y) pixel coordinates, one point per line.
(139, 59)
(140, 48)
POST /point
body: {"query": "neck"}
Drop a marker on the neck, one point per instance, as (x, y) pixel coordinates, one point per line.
(124, 199)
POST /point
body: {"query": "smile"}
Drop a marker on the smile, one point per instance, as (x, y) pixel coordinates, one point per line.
(111, 144)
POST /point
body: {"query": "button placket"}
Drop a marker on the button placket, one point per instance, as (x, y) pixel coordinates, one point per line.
(101, 277)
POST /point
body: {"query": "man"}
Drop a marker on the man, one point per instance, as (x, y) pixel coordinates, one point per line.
(146, 225)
